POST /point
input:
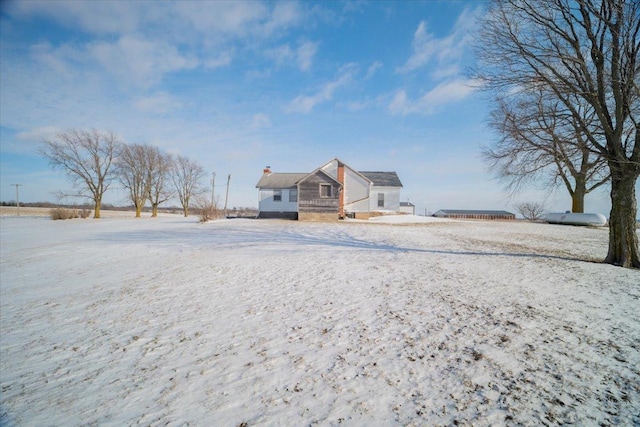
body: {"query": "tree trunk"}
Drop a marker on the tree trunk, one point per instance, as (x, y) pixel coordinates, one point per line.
(138, 211)
(185, 205)
(96, 208)
(577, 197)
(623, 240)
(154, 210)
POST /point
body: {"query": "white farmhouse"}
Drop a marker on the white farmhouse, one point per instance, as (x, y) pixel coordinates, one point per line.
(334, 190)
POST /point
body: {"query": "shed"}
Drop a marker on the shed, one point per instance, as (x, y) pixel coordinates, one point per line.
(474, 214)
(408, 208)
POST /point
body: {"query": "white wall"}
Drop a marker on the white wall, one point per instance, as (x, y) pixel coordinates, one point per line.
(266, 203)
(331, 169)
(391, 199)
(356, 197)
(408, 209)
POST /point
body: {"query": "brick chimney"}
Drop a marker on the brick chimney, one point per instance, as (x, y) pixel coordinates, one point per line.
(266, 170)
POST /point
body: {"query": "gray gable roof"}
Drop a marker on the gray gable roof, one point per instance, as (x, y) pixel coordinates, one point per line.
(288, 180)
(280, 180)
(382, 179)
(319, 171)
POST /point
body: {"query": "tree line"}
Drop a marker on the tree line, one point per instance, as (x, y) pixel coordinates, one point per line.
(93, 160)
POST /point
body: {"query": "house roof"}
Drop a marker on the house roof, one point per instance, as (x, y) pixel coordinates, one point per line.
(471, 212)
(317, 171)
(406, 204)
(287, 180)
(280, 180)
(382, 179)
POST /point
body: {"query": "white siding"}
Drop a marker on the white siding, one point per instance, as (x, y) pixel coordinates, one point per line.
(408, 209)
(356, 187)
(391, 199)
(331, 169)
(266, 203)
(356, 197)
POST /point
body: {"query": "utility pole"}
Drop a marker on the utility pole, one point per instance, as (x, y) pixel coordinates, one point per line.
(213, 194)
(17, 198)
(226, 199)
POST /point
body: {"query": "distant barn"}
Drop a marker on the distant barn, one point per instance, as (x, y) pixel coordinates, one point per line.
(474, 214)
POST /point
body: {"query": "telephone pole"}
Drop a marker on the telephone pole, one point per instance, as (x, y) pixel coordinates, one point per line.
(226, 199)
(213, 194)
(17, 198)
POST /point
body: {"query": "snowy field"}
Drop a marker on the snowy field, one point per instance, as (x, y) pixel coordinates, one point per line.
(166, 321)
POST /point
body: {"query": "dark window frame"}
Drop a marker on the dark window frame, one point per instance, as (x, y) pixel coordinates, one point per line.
(327, 194)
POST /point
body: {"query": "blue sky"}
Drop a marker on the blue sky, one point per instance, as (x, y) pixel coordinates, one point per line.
(241, 85)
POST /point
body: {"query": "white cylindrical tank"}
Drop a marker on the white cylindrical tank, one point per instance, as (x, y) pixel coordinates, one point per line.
(594, 219)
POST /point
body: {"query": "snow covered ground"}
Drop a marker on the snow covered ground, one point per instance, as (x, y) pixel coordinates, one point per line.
(166, 321)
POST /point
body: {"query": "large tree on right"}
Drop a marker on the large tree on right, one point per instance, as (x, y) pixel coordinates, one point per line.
(579, 53)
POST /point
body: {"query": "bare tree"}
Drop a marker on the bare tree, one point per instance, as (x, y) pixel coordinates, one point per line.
(131, 169)
(531, 211)
(186, 175)
(540, 140)
(159, 166)
(585, 50)
(86, 157)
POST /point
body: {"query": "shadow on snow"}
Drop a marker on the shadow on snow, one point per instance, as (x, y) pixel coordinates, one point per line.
(283, 237)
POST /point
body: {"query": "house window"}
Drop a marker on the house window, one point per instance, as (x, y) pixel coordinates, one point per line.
(293, 195)
(381, 200)
(325, 190)
(277, 195)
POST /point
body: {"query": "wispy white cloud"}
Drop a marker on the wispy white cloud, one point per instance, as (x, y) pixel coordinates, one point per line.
(443, 94)
(38, 134)
(59, 60)
(425, 46)
(169, 36)
(94, 17)
(446, 72)
(221, 18)
(440, 52)
(442, 58)
(140, 62)
(158, 103)
(283, 15)
(399, 104)
(237, 19)
(302, 56)
(372, 69)
(306, 103)
(260, 121)
(305, 53)
(378, 102)
(223, 59)
(280, 54)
